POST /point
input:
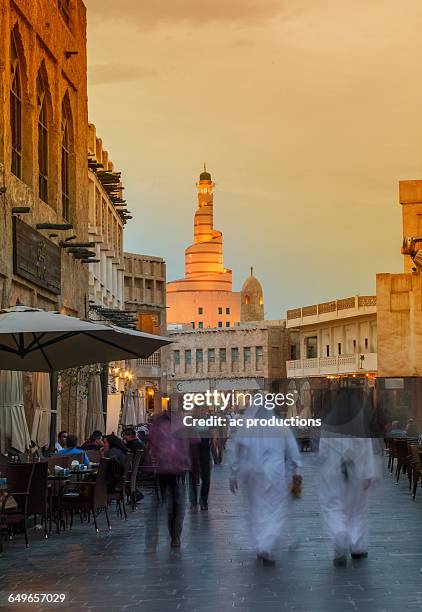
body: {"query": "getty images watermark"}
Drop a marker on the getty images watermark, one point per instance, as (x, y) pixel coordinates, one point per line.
(232, 400)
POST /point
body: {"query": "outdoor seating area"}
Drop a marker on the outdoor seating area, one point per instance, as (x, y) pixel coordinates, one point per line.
(49, 494)
(405, 461)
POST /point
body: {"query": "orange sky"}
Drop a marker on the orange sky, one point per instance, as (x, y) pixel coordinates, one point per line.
(308, 113)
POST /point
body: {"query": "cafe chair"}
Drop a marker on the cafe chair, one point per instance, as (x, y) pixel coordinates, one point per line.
(132, 479)
(87, 496)
(19, 478)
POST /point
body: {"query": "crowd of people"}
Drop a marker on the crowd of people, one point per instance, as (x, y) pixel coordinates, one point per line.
(265, 468)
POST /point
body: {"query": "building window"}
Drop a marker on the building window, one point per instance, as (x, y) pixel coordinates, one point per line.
(193, 324)
(176, 358)
(247, 300)
(65, 165)
(235, 355)
(200, 324)
(199, 356)
(223, 355)
(259, 354)
(42, 139)
(211, 355)
(293, 352)
(220, 324)
(227, 311)
(339, 348)
(188, 357)
(200, 310)
(220, 310)
(247, 354)
(327, 350)
(227, 323)
(15, 109)
(366, 343)
(311, 347)
(354, 345)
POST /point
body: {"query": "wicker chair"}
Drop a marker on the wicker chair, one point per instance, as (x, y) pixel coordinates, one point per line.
(89, 497)
(118, 495)
(416, 467)
(19, 478)
(132, 479)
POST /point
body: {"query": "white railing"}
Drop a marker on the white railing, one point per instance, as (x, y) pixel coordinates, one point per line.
(340, 364)
(153, 360)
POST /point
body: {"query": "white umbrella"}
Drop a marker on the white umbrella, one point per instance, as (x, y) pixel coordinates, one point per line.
(94, 415)
(306, 400)
(14, 433)
(128, 416)
(139, 408)
(41, 401)
(38, 341)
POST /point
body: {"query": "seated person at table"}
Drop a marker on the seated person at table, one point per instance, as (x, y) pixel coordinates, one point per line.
(131, 440)
(61, 441)
(71, 448)
(94, 442)
(115, 450)
(412, 428)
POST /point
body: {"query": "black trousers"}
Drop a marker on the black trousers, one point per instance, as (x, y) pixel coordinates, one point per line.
(204, 473)
(172, 489)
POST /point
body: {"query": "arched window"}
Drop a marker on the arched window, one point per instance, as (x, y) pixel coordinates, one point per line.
(65, 157)
(42, 138)
(15, 109)
(247, 300)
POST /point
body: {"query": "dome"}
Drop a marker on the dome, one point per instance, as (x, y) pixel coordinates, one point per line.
(205, 176)
(252, 285)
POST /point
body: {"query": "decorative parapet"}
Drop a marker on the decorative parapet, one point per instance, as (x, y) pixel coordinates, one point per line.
(327, 307)
(309, 311)
(367, 300)
(350, 303)
(345, 303)
(295, 313)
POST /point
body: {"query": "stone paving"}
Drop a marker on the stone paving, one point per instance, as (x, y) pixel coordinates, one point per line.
(215, 570)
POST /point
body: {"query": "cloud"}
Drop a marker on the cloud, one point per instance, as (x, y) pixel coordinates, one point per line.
(100, 74)
(151, 14)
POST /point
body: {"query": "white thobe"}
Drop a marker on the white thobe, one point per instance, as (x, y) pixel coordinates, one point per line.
(258, 463)
(349, 466)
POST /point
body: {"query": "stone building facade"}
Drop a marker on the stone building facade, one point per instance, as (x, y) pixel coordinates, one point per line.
(249, 357)
(399, 299)
(337, 338)
(107, 217)
(145, 296)
(43, 153)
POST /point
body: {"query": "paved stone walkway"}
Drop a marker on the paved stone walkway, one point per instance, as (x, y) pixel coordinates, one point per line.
(216, 571)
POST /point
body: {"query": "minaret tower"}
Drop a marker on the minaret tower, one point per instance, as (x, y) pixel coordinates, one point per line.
(204, 297)
(204, 257)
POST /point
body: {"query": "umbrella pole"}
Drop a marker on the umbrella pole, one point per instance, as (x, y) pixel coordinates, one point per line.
(53, 422)
(104, 392)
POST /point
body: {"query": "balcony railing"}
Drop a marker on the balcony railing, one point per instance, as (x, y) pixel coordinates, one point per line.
(326, 309)
(325, 366)
(153, 360)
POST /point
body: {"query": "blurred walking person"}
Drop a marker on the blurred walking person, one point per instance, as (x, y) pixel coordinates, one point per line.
(349, 467)
(170, 451)
(258, 459)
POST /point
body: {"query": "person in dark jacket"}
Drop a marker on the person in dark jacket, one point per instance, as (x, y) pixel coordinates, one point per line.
(132, 441)
(115, 450)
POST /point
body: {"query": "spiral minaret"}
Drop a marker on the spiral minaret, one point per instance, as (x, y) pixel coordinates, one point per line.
(206, 282)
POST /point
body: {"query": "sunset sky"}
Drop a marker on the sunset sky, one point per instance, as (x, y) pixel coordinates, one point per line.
(307, 112)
